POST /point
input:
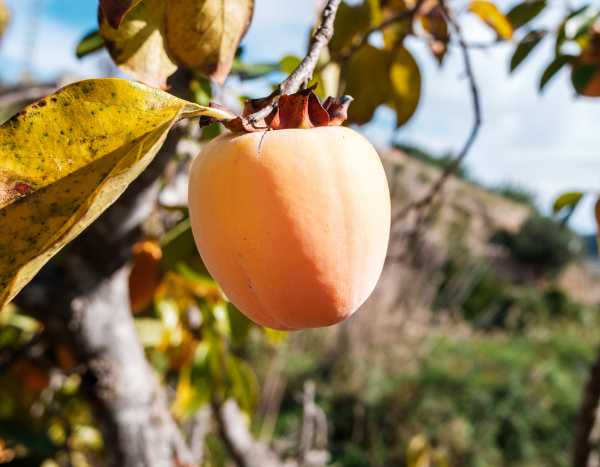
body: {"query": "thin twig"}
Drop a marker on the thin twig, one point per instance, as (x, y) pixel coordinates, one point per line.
(304, 71)
(427, 200)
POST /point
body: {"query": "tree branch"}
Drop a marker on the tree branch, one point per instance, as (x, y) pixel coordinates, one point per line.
(582, 447)
(304, 71)
(429, 197)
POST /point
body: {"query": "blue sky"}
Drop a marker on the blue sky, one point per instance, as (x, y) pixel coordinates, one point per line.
(547, 143)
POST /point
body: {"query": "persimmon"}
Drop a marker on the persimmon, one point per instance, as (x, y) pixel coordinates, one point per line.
(590, 56)
(293, 223)
(145, 274)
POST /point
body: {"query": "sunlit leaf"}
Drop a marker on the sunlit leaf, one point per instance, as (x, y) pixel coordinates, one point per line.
(204, 34)
(418, 452)
(90, 43)
(4, 17)
(524, 12)
(567, 200)
(138, 45)
(527, 44)
(115, 10)
(150, 331)
(394, 34)
(66, 158)
(367, 75)
(553, 67)
(493, 17)
(405, 82)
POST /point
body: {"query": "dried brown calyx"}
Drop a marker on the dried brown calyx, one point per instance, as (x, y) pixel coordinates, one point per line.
(300, 110)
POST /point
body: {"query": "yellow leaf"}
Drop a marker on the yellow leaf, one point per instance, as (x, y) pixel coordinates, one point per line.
(394, 34)
(115, 10)
(417, 452)
(405, 80)
(4, 17)
(493, 17)
(204, 34)
(66, 158)
(376, 76)
(138, 45)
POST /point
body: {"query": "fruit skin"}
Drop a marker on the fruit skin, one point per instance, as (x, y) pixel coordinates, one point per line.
(293, 224)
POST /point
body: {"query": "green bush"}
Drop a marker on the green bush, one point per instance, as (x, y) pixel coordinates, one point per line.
(541, 243)
(484, 402)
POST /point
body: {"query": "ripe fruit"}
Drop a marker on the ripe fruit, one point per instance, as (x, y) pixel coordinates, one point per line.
(145, 274)
(292, 223)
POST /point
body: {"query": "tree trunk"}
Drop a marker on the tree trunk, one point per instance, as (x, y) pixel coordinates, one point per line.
(587, 417)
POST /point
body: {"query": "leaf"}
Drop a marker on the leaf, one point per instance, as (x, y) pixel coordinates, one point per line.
(204, 34)
(553, 68)
(523, 13)
(138, 46)
(405, 81)
(434, 23)
(90, 43)
(581, 76)
(247, 71)
(115, 10)
(527, 44)
(66, 158)
(351, 21)
(150, 331)
(367, 75)
(394, 34)
(4, 17)
(493, 17)
(567, 200)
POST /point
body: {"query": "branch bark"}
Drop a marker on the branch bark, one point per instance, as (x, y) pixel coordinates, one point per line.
(304, 71)
(582, 448)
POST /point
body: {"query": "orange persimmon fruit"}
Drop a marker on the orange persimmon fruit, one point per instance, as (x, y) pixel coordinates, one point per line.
(293, 223)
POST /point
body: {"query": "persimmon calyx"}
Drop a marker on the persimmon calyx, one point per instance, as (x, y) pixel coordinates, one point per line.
(299, 110)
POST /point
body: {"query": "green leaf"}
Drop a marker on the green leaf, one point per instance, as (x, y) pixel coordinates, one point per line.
(351, 21)
(553, 67)
(90, 43)
(523, 13)
(367, 75)
(239, 324)
(66, 158)
(493, 17)
(115, 10)
(527, 44)
(289, 63)
(376, 76)
(581, 76)
(567, 200)
(138, 45)
(247, 71)
(204, 35)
